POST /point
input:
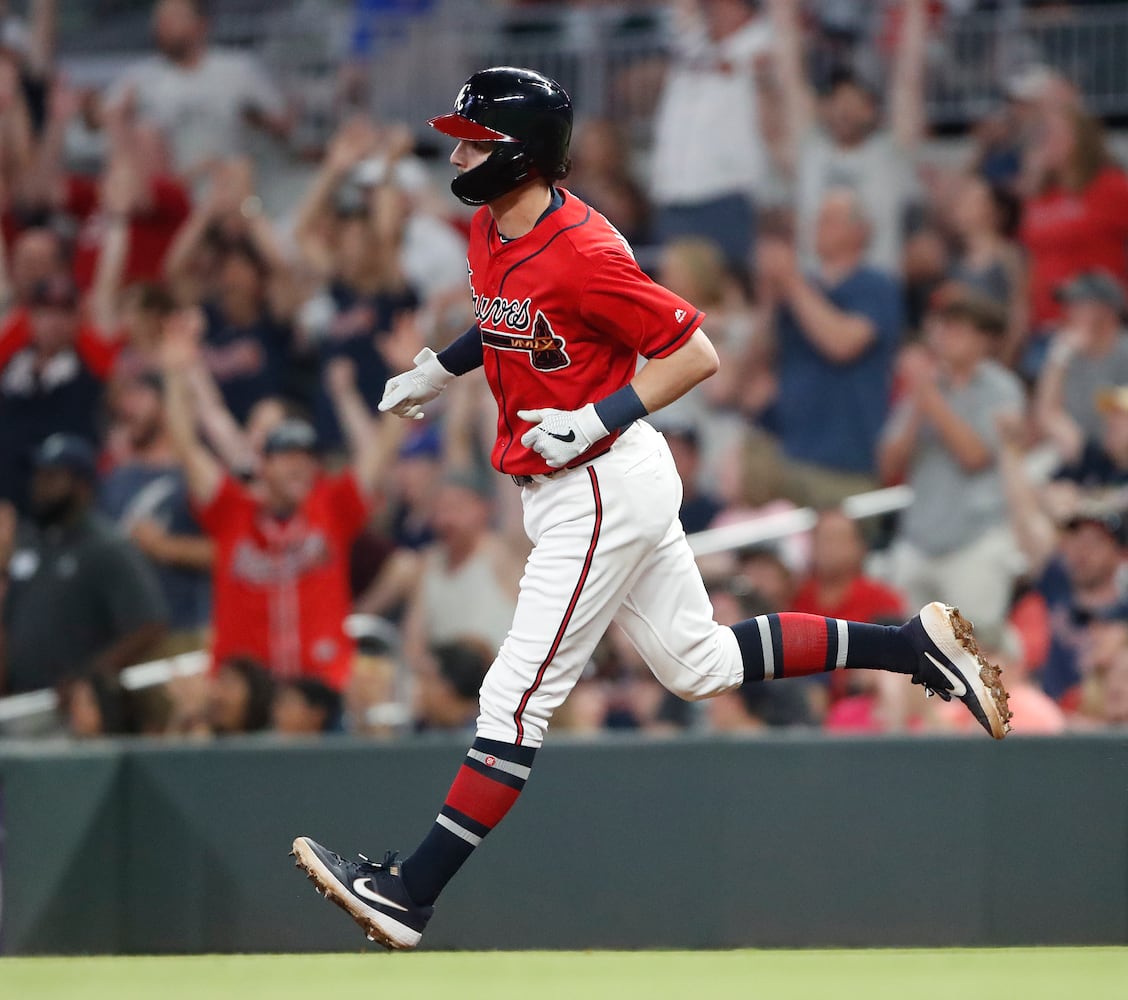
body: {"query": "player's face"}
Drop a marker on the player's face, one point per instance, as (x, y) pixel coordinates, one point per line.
(468, 155)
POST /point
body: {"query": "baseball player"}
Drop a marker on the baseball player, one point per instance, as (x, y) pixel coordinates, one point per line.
(563, 312)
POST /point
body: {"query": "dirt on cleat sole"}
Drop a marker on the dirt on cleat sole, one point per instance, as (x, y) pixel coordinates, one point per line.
(329, 891)
(989, 673)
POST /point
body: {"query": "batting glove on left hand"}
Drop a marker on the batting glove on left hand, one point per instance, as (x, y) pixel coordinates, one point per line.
(561, 436)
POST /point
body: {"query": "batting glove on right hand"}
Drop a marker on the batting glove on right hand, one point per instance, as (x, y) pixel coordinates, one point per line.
(404, 394)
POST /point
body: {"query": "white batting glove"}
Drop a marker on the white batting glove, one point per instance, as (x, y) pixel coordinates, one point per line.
(561, 436)
(404, 394)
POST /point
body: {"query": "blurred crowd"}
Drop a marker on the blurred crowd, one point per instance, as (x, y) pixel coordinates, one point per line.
(191, 457)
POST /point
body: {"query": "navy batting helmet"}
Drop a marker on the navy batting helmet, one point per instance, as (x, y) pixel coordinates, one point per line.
(528, 115)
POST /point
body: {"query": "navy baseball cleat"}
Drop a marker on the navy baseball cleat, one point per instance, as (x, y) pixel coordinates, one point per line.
(951, 666)
(372, 894)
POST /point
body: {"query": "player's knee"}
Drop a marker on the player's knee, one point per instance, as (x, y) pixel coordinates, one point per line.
(708, 669)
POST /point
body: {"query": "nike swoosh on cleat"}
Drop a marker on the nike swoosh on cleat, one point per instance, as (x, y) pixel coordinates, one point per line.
(566, 438)
(361, 887)
(959, 688)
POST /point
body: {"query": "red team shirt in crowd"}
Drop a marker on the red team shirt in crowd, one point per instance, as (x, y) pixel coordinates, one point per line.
(281, 588)
(1067, 233)
(564, 313)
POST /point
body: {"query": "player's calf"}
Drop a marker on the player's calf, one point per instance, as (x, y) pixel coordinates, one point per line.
(936, 648)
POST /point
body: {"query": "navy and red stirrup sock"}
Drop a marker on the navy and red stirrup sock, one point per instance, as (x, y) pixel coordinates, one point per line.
(795, 645)
(484, 790)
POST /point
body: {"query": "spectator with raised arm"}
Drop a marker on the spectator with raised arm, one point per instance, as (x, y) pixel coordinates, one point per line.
(33, 256)
(837, 331)
(710, 159)
(280, 577)
(350, 231)
(954, 542)
(227, 257)
(146, 495)
(838, 139)
(16, 136)
(52, 368)
(203, 98)
(137, 192)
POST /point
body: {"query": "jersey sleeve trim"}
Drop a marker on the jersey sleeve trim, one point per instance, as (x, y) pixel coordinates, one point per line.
(679, 338)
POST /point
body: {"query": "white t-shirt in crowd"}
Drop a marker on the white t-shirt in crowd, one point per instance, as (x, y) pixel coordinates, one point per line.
(201, 109)
(707, 128)
(880, 173)
(433, 256)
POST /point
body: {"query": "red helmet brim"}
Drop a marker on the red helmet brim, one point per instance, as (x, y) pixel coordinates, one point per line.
(458, 127)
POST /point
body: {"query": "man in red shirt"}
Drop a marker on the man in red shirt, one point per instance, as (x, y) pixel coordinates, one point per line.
(837, 587)
(281, 569)
(563, 312)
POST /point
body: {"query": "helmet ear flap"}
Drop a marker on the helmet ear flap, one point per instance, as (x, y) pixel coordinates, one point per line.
(506, 168)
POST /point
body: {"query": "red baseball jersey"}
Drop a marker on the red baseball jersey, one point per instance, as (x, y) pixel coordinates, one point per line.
(281, 588)
(564, 313)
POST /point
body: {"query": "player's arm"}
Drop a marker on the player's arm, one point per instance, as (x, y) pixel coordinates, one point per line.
(405, 394)
(662, 380)
(561, 436)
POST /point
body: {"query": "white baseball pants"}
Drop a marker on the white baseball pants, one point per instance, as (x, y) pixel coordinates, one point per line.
(607, 546)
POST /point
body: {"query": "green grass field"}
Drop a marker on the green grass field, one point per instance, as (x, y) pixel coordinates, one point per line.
(1018, 974)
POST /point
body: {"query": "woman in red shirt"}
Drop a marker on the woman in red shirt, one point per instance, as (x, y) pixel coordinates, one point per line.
(1077, 218)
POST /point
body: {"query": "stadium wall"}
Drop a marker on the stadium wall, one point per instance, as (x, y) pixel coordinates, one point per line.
(617, 843)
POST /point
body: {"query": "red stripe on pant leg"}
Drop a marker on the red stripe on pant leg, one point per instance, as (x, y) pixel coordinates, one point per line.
(481, 799)
(568, 612)
(804, 643)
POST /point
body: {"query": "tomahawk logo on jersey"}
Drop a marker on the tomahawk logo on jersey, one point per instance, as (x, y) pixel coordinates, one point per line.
(564, 314)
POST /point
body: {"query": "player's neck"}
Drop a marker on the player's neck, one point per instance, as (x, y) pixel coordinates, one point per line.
(518, 211)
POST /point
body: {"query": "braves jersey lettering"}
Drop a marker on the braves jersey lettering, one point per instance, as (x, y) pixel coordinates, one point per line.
(495, 312)
(564, 313)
